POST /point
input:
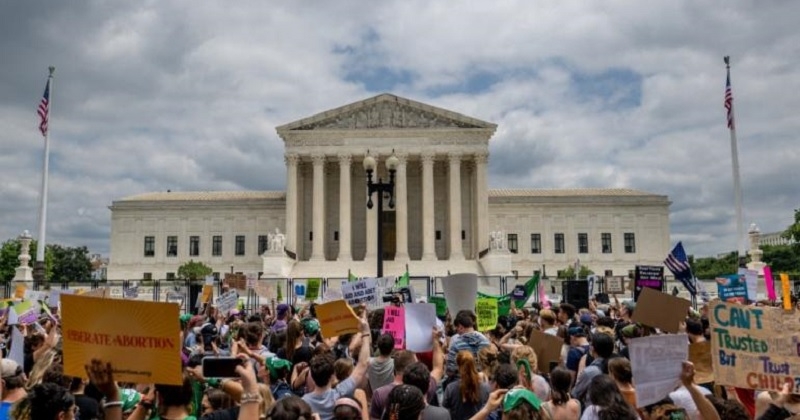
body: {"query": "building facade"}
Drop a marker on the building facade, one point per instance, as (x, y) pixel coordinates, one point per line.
(441, 220)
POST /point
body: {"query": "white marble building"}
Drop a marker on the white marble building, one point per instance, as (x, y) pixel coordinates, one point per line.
(442, 218)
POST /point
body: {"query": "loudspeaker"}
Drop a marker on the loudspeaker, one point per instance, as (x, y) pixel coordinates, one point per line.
(195, 289)
(576, 293)
(602, 298)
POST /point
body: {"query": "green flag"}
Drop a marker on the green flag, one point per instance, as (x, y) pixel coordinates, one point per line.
(441, 305)
(503, 305)
(280, 293)
(312, 289)
(351, 277)
(402, 281)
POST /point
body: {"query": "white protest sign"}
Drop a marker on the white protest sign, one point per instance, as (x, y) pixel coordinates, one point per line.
(227, 301)
(176, 297)
(209, 281)
(17, 351)
(36, 296)
(251, 281)
(614, 285)
(362, 291)
(751, 279)
(460, 291)
(656, 364)
(420, 320)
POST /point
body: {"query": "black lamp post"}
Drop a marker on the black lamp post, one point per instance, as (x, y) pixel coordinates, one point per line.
(380, 187)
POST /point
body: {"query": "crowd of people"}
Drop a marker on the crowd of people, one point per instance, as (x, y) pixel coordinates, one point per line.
(287, 370)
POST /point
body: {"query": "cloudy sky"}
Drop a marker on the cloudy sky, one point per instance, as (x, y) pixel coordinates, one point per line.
(155, 95)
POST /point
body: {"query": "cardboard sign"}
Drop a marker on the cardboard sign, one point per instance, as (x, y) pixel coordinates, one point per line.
(486, 310)
(208, 293)
(337, 318)
(460, 291)
(394, 323)
(660, 310)
(656, 365)
(732, 288)
(614, 285)
(547, 348)
(140, 339)
(227, 301)
(420, 319)
(754, 347)
(647, 276)
(700, 356)
(362, 291)
(312, 291)
(236, 281)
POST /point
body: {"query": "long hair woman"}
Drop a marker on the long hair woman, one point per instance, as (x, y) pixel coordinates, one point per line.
(466, 395)
(561, 405)
(607, 402)
(619, 368)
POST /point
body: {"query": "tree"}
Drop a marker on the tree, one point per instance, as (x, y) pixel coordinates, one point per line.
(9, 259)
(569, 273)
(70, 264)
(194, 271)
(782, 258)
(712, 267)
(793, 231)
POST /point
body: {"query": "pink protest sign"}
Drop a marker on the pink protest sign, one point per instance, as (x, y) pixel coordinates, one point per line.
(394, 323)
(769, 283)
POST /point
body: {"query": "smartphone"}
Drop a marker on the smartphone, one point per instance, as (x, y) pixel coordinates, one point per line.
(220, 367)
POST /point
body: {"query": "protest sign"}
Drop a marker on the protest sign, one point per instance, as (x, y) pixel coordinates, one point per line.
(363, 291)
(36, 296)
(131, 292)
(176, 297)
(769, 283)
(732, 288)
(19, 291)
(208, 293)
(441, 305)
(614, 285)
(209, 281)
(252, 278)
(660, 310)
(786, 291)
(17, 350)
(656, 363)
(700, 356)
(337, 318)
(236, 281)
(547, 348)
(227, 301)
(54, 298)
(26, 312)
(754, 347)
(486, 310)
(420, 319)
(460, 291)
(394, 323)
(751, 280)
(647, 276)
(312, 289)
(140, 339)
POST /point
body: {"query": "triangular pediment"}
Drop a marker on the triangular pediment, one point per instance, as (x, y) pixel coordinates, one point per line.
(385, 111)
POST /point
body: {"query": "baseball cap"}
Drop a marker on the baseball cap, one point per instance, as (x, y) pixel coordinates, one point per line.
(586, 319)
(10, 369)
(576, 332)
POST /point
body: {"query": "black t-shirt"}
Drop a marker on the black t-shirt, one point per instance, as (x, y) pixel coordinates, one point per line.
(88, 408)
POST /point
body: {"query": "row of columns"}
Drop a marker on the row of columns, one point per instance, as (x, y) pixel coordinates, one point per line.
(401, 207)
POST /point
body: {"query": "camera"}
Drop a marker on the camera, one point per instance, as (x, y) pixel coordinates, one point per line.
(402, 295)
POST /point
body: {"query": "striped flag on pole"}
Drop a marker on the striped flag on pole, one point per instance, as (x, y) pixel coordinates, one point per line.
(44, 109)
(729, 101)
(679, 265)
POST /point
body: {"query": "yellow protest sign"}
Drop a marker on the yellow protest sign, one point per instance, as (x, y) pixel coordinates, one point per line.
(336, 318)
(486, 309)
(140, 339)
(787, 292)
(19, 291)
(208, 293)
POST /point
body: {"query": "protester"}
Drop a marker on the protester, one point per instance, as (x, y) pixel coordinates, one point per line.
(561, 405)
(619, 369)
(466, 395)
(404, 402)
(606, 402)
(418, 375)
(466, 338)
(13, 380)
(381, 368)
(602, 348)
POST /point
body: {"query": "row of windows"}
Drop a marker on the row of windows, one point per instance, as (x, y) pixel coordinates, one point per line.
(559, 247)
(194, 245)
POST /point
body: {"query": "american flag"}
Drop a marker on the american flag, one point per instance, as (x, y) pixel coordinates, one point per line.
(679, 265)
(729, 101)
(44, 109)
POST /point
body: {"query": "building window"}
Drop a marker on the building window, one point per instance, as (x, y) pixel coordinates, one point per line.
(170, 276)
(216, 246)
(335, 235)
(263, 244)
(463, 235)
(438, 235)
(239, 251)
(630, 243)
(172, 246)
(536, 243)
(310, 236)
(583, 243)
(147, 276)
(605, 242)
(559, 243)
(513, 246)
(194, 246)
(149, 246)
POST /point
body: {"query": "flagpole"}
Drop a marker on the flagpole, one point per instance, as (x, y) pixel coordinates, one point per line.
(38, 267)
(737, 187)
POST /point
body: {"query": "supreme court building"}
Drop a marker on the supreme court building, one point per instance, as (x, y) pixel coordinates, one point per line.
(442, 219)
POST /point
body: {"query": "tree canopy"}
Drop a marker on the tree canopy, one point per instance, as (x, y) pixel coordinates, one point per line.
(194, 270)
(62, 263)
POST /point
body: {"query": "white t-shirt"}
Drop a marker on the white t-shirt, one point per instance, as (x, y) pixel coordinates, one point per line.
(683, 399)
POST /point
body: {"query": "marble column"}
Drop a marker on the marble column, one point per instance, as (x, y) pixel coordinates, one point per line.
(344, 208)
(456, 246)
(428, 226)
(291, 160)
(318, 203)
(372, 219)
(401, 208)
(482, 200)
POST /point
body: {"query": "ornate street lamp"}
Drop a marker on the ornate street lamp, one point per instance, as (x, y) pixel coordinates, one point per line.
(380, 187)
